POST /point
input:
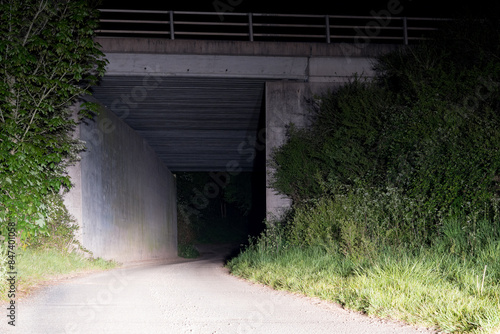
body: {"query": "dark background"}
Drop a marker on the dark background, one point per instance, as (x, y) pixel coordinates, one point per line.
(411, 8)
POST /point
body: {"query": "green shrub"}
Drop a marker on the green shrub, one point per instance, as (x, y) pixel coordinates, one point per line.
(421, 141)
(298, 171)
(357, 223)
(348, 128)
(362, 221)
(442, 143)
(340, 149)
(61, 228)
(396, 190)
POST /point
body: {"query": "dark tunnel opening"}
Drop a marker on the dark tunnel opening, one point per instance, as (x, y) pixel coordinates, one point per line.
(224, 207)
(226, 214)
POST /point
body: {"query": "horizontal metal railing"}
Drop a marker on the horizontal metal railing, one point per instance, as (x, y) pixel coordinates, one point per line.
(265, 27)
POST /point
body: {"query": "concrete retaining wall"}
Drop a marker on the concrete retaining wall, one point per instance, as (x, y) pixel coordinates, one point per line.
(124, 197)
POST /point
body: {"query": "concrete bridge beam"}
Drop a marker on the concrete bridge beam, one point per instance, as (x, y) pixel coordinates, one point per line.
(307, 69)
(309, 62)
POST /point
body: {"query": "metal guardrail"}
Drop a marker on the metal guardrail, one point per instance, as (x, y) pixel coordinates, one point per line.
(265, 27)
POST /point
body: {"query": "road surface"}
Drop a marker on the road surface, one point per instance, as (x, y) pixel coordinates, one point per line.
(179, 297)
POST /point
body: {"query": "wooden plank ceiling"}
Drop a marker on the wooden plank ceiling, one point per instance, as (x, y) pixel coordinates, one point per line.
(193, 123)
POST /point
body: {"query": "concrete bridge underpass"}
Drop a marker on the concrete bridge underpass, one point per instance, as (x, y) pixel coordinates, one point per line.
(191, 105)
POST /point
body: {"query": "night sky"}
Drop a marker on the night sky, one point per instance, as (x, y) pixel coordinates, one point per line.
(410, 8)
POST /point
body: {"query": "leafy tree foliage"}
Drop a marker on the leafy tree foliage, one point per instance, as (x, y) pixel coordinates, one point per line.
(48, 60)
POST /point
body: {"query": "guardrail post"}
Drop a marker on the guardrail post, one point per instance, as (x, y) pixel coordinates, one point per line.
(171, 19)
(327, 22)
(405, 30)
(250, 27)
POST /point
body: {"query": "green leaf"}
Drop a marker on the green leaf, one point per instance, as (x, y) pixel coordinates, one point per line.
(40, 221)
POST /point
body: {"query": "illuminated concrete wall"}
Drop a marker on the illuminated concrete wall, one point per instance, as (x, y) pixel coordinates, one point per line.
(124, 197)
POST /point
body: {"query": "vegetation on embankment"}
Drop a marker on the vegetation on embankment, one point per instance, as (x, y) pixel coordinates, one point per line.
(36, 260)
(396, 190)
(49, 60)
(426, 286)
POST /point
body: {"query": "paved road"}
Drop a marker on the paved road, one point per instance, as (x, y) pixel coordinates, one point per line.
(179, 297)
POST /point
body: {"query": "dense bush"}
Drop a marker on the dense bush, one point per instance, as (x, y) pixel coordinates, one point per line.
(339, 149)
(408, 158)
(443, 141)
(363, 223)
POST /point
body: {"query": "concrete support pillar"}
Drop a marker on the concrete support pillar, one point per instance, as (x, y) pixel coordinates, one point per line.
(287, 102)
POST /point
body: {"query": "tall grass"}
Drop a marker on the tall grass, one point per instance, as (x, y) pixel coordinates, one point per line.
(375, 253)
(425, 288)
